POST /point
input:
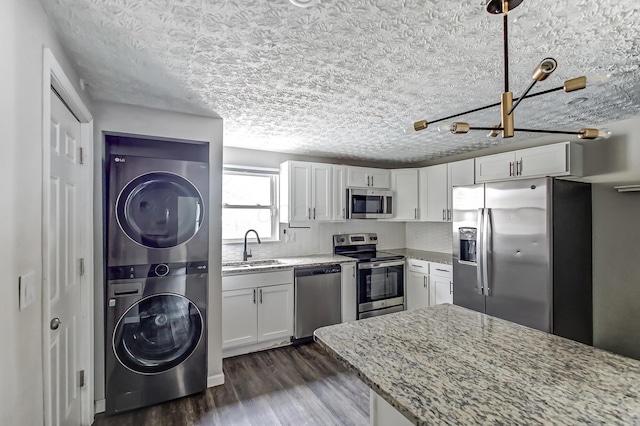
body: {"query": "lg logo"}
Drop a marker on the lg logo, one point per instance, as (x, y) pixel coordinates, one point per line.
(119, 160)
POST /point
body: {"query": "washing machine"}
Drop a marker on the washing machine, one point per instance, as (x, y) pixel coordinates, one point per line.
(157, 210)
(156, 346)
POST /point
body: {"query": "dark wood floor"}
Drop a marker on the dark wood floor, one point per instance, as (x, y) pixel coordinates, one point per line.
(288, 386)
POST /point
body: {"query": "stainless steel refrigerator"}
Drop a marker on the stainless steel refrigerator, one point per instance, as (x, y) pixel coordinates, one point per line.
(522, 252)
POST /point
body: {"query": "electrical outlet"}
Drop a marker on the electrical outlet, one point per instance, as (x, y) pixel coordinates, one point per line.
(27, 286)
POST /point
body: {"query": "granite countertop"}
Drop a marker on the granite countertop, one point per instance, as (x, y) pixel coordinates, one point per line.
(429, 256)
(449, 365)
(234, 268)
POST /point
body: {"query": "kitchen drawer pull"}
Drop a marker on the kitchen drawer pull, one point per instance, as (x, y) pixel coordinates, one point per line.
(417, 266)
(442, 270)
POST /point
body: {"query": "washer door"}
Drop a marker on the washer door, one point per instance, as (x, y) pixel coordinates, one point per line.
(160, 210)
(157, 333)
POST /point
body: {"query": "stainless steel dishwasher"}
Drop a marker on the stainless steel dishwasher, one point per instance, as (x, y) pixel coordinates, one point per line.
(317, 300)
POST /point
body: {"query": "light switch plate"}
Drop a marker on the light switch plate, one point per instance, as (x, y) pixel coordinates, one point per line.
(27, 285)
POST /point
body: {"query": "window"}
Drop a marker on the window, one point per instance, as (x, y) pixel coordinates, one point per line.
(249, 202)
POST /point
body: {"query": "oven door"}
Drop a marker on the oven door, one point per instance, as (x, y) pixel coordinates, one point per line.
(380, 285)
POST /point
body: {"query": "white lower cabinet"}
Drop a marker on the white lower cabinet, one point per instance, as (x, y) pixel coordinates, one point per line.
(349, 300)
(381, 413)
(441, 290)
(254, 315)
(428, 284)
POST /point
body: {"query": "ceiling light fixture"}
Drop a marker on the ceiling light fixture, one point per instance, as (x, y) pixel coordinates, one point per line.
(540, 73)
(304, 3)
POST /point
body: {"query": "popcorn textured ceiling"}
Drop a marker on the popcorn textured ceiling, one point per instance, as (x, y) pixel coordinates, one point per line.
(344, 77)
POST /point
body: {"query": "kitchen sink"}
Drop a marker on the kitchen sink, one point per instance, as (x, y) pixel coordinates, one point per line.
(251, 263)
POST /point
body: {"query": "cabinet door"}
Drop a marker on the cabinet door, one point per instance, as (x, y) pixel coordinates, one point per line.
(339, 193)
(441, 290)
(321, 192)
(436, 193)
(300, 195)
(379, 178)
(404, 183)
(358, 177)
(239, 317)
(417, 290)
(550, 160)
(349, 292)
(461, 173)
(275, 312)
(495, 167)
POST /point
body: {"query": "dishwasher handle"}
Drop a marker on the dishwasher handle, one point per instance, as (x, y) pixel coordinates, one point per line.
(318, 270)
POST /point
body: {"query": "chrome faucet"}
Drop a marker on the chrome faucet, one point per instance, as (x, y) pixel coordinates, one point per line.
(246, 255)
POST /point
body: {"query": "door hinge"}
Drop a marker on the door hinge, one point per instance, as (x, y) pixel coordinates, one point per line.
(81, 155)
(81, 266)
(82, 379)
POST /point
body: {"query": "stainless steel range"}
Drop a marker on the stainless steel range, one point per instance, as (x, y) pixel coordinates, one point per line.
(380, 276)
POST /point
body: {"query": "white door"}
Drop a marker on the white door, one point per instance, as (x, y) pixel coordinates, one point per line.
(300, 181)
(441, 290)
(339, 193)
(358, 177)
(547, 160)
(239, 317)
(436, 192)
(495, 167)
(404, 183)
(275, 312)
(379, 178)
(63, 277)
(321, 192)
(417, 291)
(461, 173)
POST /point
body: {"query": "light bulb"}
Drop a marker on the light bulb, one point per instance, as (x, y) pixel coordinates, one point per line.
(604, 134)
(598, 79)
(444, 128)
(417, 126)
(594, 134)
(410, 129)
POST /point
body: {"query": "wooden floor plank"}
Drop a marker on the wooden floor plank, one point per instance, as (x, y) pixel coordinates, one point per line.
(299, 385)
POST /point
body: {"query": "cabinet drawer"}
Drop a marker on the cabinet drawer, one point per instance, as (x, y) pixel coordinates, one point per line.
(441, 270)
(417, 265)
(258, 279)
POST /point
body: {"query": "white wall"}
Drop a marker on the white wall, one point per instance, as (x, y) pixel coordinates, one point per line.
(24, 32)
(118, 118)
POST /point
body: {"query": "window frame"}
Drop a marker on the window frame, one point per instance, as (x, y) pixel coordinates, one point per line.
(274, 174)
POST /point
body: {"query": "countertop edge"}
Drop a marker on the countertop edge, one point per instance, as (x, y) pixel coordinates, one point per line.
(372, 385)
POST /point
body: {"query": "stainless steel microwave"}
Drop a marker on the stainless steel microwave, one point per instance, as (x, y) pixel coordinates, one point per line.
(369, 204)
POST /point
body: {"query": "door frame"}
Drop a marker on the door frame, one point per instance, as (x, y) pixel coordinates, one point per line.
(54, 76)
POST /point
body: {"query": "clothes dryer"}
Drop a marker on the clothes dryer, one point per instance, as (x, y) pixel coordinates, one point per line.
(157, 210)
(156, 340)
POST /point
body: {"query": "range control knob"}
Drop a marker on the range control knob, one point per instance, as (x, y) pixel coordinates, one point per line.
(162, 270)
(341, 240)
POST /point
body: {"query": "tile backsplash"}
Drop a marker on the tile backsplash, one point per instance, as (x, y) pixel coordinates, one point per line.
(432, 236)
(317, 239)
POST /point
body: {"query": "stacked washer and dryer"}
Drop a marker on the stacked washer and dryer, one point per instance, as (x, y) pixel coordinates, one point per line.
(156, 253)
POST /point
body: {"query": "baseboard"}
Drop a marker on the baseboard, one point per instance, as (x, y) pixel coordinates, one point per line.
(100, 405)
(216, 380)
(256, 347)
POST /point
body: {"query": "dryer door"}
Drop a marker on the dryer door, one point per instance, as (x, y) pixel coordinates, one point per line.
(157, 333)
(160, 210)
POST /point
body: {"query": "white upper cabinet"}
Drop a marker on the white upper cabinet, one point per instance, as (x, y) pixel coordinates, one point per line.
(404, 184)
(436, 188)
(339, 193)
(306, 192)
(364, 177)
(562, 159)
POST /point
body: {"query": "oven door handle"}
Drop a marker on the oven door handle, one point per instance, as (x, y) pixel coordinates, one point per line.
(379, 265)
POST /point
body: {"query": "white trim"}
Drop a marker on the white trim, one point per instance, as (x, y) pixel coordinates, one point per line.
(100, 406)
(216, 380)
(54, 76)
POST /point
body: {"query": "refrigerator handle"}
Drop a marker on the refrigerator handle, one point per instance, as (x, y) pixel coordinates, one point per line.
(479, 252)
(486, 240)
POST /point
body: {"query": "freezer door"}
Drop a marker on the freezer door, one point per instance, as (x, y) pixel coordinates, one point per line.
(468, 203)
(519, 252)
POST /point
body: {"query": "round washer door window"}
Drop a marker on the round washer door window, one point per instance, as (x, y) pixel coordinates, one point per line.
(157, 333)
(160, 210)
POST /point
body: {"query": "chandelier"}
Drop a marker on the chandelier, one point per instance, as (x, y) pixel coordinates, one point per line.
(506, 127)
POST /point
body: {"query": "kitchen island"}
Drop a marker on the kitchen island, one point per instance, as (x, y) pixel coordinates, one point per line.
(449, 365)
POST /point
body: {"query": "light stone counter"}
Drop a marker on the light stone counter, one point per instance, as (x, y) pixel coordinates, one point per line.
(449, 365)
(429, 256)
(233, 268)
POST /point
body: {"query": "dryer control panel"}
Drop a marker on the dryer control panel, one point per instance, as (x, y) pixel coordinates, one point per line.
(156, 270)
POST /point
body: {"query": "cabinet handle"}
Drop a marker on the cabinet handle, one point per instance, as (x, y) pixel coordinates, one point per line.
(343, 211)
(254, 296)
(354, 271)
(424, 281)
(441, 270)
(450, 287)
(260, 295)
(371, 180)
(309, 213)
(449, 215)
(415, 213)
(519, 168)
(417, 266)
(510, 168)
(444, 215)
(314, 213)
